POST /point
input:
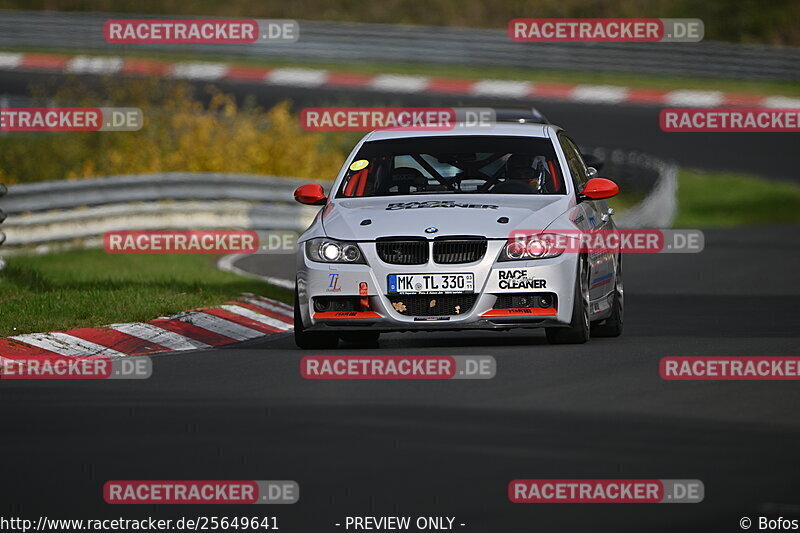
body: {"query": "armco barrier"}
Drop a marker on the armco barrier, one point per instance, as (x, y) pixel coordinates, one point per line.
(83, 210)
(80, 211)
(351, 42)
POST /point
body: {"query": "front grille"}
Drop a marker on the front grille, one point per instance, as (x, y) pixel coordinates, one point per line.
(454, 251)
(403, 251)
(433, 304)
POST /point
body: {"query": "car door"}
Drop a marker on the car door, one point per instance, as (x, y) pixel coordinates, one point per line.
(595, 212)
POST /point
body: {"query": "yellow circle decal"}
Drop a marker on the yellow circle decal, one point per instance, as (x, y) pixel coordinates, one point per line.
(358, 165)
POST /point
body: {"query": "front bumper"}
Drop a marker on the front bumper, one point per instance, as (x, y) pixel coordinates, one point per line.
(555, 276)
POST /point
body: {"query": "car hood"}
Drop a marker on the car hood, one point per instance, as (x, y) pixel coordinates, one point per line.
(465, 214)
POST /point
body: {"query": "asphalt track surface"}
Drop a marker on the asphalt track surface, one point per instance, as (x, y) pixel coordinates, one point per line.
(359, 448)
(631, 127)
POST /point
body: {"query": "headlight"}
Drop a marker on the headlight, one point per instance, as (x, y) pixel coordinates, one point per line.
(537, 247)
(333, 251)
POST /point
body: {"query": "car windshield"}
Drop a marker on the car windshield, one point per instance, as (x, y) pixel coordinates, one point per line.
(454, 165)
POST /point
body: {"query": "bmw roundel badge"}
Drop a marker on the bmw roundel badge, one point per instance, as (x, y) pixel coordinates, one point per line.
(431, 230)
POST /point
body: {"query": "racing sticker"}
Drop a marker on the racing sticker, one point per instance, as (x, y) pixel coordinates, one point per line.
(434, 203)
(359, 165)
(333, 284)
(519, 279)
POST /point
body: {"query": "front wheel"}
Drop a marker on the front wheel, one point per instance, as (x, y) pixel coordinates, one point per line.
(578, 330)
(310, 340)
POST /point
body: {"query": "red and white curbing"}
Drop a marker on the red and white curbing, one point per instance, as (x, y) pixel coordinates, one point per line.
(311, 78)
(248, 318)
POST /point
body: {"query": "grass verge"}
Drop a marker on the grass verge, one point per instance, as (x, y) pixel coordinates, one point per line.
(721, 199)
(86, 288)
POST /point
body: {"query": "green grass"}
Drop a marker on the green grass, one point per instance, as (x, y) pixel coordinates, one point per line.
(719, 199)
(641, 81)
(88, 288)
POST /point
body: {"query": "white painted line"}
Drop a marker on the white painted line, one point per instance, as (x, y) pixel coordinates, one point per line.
(258, 317)
(218, 325)
(94, 65)
(228, 264)
(781, 102)
(199, 70)
(64, 344)
(269, 306)
(599, 94)
(400, 84)
(694, 98)
(10, 61)
(302, 77)
(166, 338)
(510, 89)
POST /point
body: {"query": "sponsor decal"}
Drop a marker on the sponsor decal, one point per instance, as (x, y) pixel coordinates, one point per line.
(359, 165)
(333, 285)
(519, 279)
(437, 203)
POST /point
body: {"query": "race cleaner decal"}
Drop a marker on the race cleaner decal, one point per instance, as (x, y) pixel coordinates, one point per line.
(519, 279)
(447, 203)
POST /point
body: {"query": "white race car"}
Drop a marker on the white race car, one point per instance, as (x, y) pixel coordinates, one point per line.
(450, 230)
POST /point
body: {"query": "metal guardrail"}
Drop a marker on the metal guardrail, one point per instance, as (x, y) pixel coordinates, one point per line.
(83, 210)
(348, 41)
(643, 172)
(80, 211)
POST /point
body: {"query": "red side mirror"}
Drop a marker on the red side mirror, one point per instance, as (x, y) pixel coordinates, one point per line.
(599, 189)
(311, 194)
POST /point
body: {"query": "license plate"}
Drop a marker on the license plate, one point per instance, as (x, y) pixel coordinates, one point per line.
(430, 283)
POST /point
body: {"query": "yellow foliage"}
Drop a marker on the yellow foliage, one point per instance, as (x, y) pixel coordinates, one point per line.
(180, 134)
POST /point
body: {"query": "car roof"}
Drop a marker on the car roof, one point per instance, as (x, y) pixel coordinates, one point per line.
(506, 129)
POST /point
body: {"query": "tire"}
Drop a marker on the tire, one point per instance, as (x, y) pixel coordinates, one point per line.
(612, 326)
(310, 340)
(578, 330)
(369, 338)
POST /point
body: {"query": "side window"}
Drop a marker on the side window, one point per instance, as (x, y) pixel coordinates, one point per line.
(575, 162)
